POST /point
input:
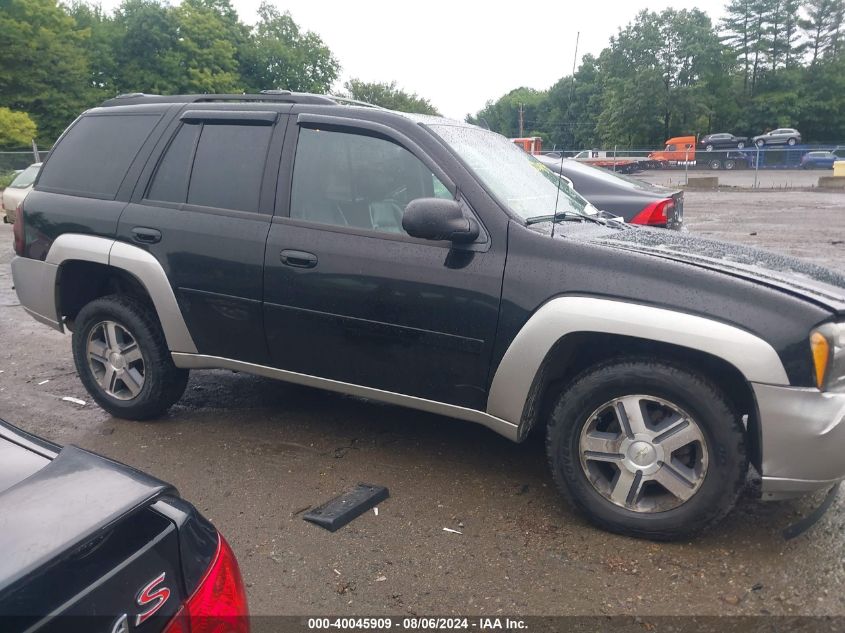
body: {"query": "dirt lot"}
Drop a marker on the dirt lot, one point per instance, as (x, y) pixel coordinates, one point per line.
(252, 453)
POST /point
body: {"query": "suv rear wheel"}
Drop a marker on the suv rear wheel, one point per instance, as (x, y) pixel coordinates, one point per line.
(122, 359)
(645, 448)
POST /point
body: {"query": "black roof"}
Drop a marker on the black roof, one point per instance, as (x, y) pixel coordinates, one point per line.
(275, 96)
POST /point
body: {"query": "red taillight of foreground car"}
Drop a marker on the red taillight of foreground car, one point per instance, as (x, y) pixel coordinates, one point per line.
(655, 214)
(18, 231)
(219, 602)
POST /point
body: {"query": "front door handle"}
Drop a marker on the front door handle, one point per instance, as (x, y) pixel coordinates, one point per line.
(146, 235)
(298, 259)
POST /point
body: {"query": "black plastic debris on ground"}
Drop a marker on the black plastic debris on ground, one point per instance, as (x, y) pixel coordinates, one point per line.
(336, 513)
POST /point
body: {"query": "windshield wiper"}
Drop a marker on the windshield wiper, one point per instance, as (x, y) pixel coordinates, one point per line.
(563, 216)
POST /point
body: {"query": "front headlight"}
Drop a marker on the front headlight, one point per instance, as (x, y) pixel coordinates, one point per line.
(827, 344)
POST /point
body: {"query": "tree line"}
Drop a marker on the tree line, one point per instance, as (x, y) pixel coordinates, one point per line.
(767, 64)
(57, 60)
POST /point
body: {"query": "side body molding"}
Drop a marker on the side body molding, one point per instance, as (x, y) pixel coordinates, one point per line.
(138, 263)
(751, 355)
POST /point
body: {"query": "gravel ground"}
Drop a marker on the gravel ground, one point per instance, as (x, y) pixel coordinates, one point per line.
(252, 454)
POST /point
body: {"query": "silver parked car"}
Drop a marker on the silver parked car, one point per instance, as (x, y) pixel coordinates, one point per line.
(14, 194)
(780, 136)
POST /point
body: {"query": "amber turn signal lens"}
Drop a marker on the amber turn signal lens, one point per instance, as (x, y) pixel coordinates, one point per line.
(821, 356)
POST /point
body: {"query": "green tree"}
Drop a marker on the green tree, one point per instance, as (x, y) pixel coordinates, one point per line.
(210, 42)
(100, 47)
(503, 115)
(16, 129)
(574, 104)
(737, 33)
(281, 56)
(674, 58)
(388, 95)
(820, 117)
(43, 64)
(145, 39)
(822, 26)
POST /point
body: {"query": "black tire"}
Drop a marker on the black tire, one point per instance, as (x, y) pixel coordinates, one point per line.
(740, 145)
(791, 141)
(730, 164)
(709, 148)
(163, 384)
(718, 421)
(715, 165)
(760, 142)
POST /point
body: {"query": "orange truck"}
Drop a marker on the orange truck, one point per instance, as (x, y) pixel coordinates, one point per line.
(531, 144)
(679, 151)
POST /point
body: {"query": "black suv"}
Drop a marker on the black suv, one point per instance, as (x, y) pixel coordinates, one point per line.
(432, 264)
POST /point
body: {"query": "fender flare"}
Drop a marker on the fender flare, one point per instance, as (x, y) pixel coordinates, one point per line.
(752, 356)
(141, 265)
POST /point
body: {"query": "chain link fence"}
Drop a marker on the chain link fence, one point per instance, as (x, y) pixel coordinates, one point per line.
(21, 159)
(767, 166)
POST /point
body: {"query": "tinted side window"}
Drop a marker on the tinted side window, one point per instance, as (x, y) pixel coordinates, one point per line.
(357, 181)
(229, 165)
(94, 156)
(171, 179)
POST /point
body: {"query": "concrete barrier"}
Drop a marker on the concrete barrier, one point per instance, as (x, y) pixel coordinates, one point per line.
(832, 182)
(703, 182)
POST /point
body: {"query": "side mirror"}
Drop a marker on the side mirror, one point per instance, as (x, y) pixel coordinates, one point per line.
(438, 219)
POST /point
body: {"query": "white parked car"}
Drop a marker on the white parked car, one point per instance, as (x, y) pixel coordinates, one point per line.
(14, 194)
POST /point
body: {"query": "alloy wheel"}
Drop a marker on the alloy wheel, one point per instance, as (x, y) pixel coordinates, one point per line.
(643, 453)
(115, 360)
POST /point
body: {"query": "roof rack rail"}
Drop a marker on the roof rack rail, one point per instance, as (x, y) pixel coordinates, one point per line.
(348, 101)
(281, 96)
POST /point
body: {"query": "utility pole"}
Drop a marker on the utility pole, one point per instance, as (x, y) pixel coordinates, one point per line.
(521, 120)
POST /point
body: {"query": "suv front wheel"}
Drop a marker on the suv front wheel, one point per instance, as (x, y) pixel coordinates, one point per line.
(647, 448)
(122, 359)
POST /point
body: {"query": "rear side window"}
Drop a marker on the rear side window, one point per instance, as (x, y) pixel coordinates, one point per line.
(95, 154)
(213, 165)
(229, 165)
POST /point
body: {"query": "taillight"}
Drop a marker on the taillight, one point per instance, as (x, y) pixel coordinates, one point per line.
(219, 601)
(18, 231)
(655, 214)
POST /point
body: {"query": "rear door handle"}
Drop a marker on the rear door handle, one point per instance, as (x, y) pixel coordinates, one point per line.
(298, 259)
(146, 235)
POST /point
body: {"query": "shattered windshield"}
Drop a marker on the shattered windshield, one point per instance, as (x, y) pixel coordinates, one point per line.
(528, 188)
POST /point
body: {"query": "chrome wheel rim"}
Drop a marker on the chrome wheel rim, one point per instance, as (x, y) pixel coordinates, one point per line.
(115, 360)
(643, 453)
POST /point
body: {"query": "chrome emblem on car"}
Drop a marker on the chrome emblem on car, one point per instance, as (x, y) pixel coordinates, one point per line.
(121, 625)
(151, 595)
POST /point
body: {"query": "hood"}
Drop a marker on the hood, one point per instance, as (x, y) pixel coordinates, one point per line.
(813, 283)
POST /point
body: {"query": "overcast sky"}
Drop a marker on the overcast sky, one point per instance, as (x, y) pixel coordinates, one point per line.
(459, 53)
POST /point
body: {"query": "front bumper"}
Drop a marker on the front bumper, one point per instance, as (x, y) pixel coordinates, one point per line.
(803, 433)
(35, 283)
